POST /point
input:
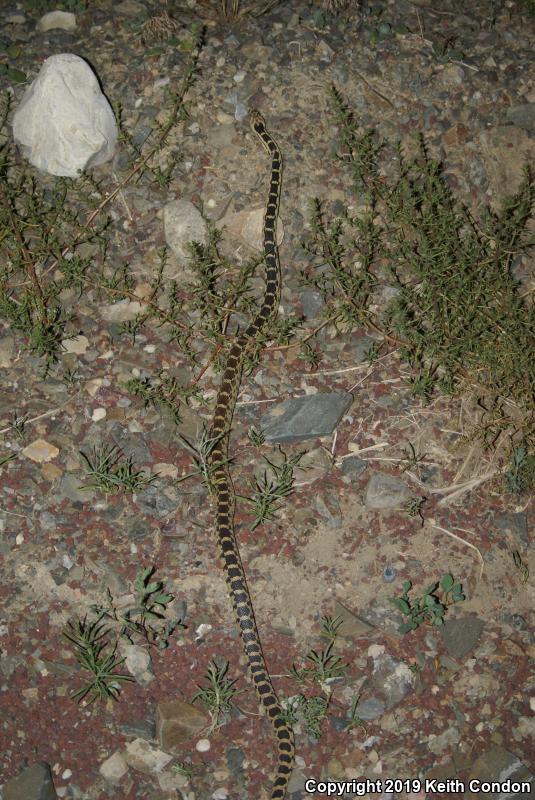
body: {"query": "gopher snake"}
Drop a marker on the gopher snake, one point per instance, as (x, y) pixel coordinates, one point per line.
(224, 490)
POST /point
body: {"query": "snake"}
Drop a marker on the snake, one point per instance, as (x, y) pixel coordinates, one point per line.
(218, 461)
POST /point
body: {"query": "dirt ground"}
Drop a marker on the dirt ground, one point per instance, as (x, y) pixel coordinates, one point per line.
(438, 703)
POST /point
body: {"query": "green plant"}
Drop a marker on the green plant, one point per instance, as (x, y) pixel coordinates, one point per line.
(147, 616)
(354, 720)
(111, 474)
(6, 459)
(309, 711)
(18, 424)
(347, 284)
(163, 391)
(218, 696)
(13, 51)
(96, 656)
(412, 458)
(310, 355)
(330, 627)
(445, 50)
(181, 768)
(256, 437)
(520, 477)
(413, 507)
(431, 606)
(326, 667)
(270, 489)
(457, 316)
(54, 236)
(201, 453)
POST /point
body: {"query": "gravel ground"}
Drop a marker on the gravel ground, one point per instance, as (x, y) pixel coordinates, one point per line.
(449, 703)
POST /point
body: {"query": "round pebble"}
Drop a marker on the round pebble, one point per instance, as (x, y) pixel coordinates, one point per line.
(389, 573)
(203, 745)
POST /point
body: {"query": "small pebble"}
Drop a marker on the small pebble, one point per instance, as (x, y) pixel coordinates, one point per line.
(239, 77)
(98, 414)
(389, 574)
(203, 745)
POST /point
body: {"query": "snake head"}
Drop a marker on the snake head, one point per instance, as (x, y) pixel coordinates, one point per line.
(258, 122)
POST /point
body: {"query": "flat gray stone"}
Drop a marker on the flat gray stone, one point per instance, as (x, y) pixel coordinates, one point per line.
(305, 417)
(461, 635)
(515, 523)
(34, 783)
(312, 303)
(352, 625)
(392, 679)
(386, 491)
(523, 116)
(353, 466)
(499, 765)
(369, 709)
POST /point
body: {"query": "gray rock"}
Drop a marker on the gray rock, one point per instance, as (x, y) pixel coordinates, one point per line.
(385, 491)
(153, 502)
(183, 223)
(392, 678)
(64, 123)
(498, 764)
(461, 635)
(353, 466)
(137, 662)
(515, 523)
(352, 625)
(523, 116)
(444, 741)
(71, 487)
(140, 728)
(56, 19)
(305, 417)
(235, 759)
(328, 509)
(34, 783)
(130, 8)
(372, 708)
(312, 303)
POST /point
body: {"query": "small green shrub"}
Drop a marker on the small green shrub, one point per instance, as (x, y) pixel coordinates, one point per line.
(431, 606)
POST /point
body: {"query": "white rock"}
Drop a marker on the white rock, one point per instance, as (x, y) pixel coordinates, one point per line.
(137, 662)
(122, 311)
(64, 123)
(56, 19)
(183, 223)
(78, 344)
(142, 756)
(113, 768)
(203, 745)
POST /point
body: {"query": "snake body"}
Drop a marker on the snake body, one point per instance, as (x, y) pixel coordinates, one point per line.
(224, 490)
